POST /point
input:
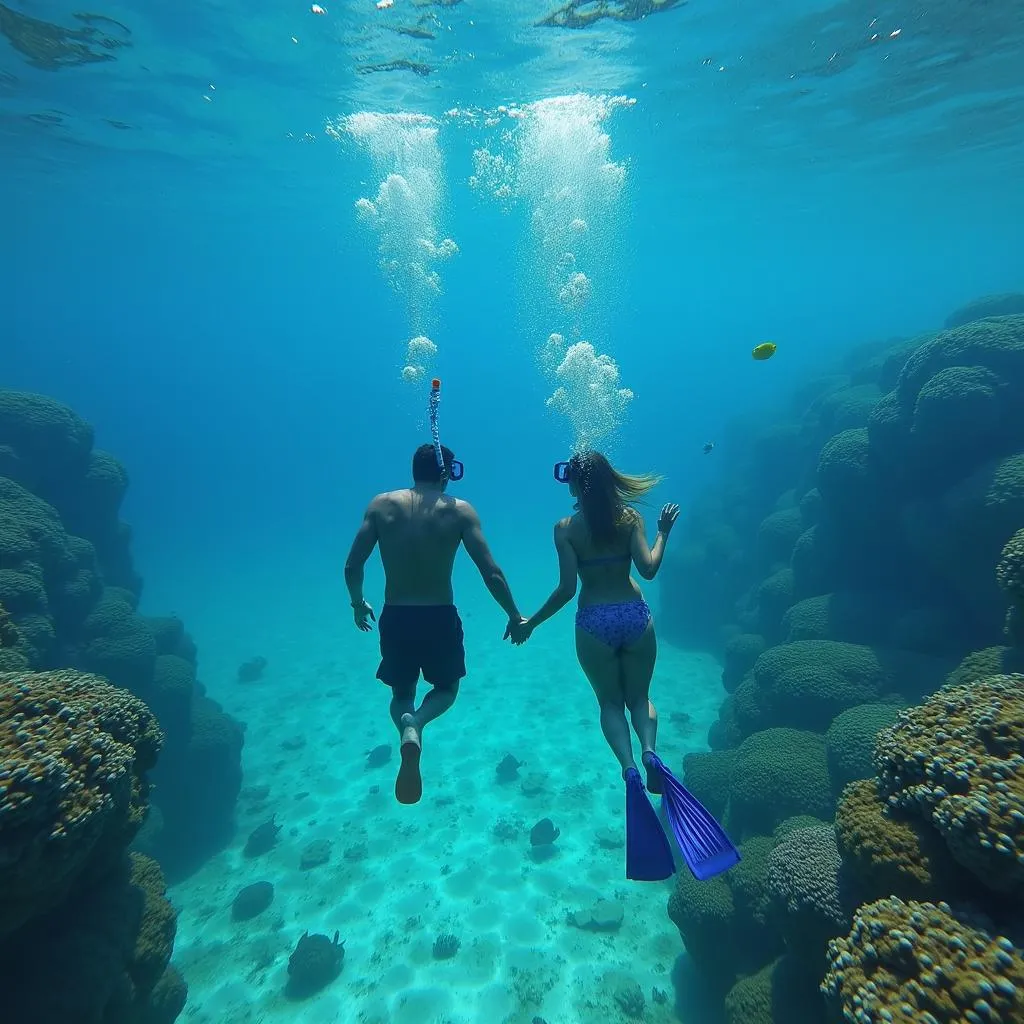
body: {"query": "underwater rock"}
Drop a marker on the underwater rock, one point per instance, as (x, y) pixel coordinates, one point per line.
(507, 769)
(262, 839)
(544, 833)
(315, 962)
(318, 852)
(252, 900)
(609, 838)
(533, 784)
(380, 755)
(603, 916)
(251, 670)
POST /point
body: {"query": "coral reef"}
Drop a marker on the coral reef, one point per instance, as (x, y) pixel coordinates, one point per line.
(851, 566)
(957, 760)
(86, 931)
(70, 594)
(924, 963)
(806, 889)
(889, 851)
(850, 742)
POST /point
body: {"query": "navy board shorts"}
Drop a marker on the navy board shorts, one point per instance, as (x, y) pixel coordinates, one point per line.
(420, 638)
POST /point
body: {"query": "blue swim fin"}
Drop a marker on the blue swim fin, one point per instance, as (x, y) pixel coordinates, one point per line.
(706, 848)
(648, 853)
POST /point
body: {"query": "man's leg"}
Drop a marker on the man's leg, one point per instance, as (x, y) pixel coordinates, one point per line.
(402, 703)
(435, 704)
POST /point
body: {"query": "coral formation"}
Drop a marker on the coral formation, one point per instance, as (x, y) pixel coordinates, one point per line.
(924, 963)
(72, 783)
(86, 931)
(806, 889)
(71, 593)
(851, 566)
(957, 760)
(889, 851)
(850, 741)
(777, 773)
(1007, 304)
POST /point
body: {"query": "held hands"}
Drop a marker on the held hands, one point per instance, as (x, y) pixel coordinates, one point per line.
(518, 631)
(363, 614)
(667, 519)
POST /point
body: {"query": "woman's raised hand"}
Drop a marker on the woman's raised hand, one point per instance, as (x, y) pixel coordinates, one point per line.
(668, 517)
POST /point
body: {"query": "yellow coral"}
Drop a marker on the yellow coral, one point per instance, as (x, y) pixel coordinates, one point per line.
(922, 963)
(888, 851)
(957, 761)
(73, 752)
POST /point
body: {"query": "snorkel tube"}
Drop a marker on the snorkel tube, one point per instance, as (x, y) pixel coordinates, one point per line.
(456, 469)
(435, 432)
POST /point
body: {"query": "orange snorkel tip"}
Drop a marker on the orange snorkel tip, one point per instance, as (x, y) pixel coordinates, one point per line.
(436, 383)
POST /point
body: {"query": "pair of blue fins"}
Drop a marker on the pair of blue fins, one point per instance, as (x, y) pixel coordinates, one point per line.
(703, 843)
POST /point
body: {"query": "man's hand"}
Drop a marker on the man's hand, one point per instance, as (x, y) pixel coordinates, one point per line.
(363, 613)
(518, 631)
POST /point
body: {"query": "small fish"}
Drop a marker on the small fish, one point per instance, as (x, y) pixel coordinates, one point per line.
(317, 9)
(764, 351)
(709, 447)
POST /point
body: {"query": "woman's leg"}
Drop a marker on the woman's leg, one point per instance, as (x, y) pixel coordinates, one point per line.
(637, 664)
(601, 665)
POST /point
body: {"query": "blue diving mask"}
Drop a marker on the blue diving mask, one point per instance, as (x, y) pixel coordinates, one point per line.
(562, 472)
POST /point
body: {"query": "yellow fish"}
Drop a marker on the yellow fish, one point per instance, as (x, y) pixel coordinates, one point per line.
(764, 351)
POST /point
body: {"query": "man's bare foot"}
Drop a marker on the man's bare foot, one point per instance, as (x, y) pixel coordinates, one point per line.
(409, 784)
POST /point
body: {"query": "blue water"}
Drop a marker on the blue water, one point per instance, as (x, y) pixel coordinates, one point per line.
(196, 285)
(198, 289)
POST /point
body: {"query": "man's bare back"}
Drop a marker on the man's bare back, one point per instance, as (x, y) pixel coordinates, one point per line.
(419, 533)
(419, 530)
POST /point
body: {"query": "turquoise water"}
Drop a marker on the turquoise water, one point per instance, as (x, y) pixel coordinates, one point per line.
(240, 240)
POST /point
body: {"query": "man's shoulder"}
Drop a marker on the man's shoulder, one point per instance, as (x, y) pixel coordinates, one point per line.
(463, 509)
(390, 497)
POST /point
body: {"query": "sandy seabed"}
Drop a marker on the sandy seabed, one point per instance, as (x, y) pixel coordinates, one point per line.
(460, 862)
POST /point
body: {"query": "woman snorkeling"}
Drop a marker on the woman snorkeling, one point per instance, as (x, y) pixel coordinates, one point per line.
(615, 638)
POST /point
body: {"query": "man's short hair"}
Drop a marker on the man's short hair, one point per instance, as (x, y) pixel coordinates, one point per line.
(425, 469)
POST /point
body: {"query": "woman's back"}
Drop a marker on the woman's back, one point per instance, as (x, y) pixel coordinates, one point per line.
(604, 569)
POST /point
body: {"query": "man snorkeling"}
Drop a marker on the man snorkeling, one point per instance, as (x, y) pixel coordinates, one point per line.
(419, 530)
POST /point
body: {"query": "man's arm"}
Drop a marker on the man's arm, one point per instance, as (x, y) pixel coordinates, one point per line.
(490, 572)
(362, 547)
(568, 568)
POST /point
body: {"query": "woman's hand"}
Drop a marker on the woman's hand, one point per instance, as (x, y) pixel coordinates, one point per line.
(668, 517)
(518, 632)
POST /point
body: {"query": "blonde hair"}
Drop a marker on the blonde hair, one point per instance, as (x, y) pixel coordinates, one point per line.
(606, 494)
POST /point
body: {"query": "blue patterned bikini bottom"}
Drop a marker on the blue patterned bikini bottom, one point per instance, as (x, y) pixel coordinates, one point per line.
(618, 624)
